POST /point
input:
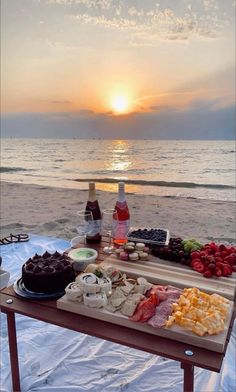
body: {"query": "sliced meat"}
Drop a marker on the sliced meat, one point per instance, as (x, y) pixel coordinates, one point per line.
(162, 312)
(145, 309)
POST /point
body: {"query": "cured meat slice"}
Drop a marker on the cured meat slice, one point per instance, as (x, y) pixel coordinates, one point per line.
(145, 309)
(160, 292)
(162, 312)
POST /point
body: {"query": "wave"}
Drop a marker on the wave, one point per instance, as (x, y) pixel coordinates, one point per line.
(172, 184)
(11, 169)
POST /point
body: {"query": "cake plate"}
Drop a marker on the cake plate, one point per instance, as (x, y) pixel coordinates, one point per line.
(22, 291)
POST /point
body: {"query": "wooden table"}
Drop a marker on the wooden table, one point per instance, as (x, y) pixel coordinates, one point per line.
(47, 311)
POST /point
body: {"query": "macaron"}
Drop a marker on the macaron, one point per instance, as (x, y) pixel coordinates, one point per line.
(133, 256)
(119, 251)
(130, 244)
(124, 256)
(129, 248)
(139, 246)
(143, 255)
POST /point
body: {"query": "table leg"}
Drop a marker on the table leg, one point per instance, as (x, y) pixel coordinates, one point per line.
(188, 377)
(12, 341)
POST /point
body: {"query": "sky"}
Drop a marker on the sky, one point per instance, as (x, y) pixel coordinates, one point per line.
(123, 69)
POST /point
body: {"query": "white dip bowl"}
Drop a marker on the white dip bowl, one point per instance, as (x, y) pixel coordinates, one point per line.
(82, 257)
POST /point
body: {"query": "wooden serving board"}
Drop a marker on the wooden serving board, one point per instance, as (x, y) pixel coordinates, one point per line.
(215, 342)
(166, 272)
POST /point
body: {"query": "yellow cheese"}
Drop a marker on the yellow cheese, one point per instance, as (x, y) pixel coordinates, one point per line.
(199, 312)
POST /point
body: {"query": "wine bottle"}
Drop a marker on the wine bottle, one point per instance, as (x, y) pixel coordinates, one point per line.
(121, 226)
(92, 205)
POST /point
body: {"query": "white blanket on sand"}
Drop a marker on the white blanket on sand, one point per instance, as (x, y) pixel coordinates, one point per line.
(55, 359)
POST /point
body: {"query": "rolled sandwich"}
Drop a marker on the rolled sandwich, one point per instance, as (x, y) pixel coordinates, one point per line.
(97, 300)
(74, 292)
(89, 283)
(106, 285)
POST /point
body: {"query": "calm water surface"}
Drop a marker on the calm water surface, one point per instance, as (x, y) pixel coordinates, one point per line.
(200, 169)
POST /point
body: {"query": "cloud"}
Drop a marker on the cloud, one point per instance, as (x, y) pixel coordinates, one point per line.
(199, 121)
(150, 22)
(149, 25)
(62, 102)
(93, 4)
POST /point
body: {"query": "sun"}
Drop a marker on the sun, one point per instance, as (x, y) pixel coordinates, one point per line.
(120, 104)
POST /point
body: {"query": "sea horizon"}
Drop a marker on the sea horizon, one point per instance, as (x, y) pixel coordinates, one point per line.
(172, 168)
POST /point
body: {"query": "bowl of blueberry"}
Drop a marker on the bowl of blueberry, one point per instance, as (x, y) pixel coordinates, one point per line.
(152, 236)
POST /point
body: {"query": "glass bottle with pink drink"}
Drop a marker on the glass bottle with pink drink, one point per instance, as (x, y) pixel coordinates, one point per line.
(121, 221)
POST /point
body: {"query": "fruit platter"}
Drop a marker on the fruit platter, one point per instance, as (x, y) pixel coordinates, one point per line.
(186, 314)
(210, 260)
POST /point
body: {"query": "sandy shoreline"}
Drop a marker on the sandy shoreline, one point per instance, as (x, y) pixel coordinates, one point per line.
(52, 212)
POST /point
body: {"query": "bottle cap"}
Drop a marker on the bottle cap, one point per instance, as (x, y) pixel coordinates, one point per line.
(92, 185)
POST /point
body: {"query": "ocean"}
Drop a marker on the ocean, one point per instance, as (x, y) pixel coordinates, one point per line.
(195, 169)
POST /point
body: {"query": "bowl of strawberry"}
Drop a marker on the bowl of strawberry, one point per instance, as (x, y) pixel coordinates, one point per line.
(214, 260)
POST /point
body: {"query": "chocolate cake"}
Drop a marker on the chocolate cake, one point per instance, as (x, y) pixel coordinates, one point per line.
(48, 273)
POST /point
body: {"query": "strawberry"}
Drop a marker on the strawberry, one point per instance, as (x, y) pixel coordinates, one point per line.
(213, 247)
(199, 267)
(195, 261)
(224, 254)
(234, 257)
(208, 274)
(226, 270)
(229, 259)
(195, 254)
(218, 272)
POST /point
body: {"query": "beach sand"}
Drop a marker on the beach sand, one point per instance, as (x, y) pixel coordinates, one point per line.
(52, 212)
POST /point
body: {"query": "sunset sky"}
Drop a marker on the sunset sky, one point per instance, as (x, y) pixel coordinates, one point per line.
(118, 68)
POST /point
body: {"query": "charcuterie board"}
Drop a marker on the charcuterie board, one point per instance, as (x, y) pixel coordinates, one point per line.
(212, 342)
(166, 272)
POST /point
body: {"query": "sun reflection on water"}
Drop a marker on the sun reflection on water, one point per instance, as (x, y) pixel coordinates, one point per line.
(119, 158)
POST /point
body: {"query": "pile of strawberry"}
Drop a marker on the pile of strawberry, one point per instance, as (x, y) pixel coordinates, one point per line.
(214, 260)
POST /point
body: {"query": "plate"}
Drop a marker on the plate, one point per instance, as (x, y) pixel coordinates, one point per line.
(22, 291)
(163, 241)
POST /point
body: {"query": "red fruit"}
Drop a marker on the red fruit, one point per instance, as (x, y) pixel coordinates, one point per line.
(195, 261)
(224, 254)
(218, 271)
(202, 253)
(218, 259)
(233, 268)
(208, 274)
(222, 247)
(217, 254)
(214, 247)
(207, 250)
(195, 254)
(199, 267)
(226, 270)
(229, 259)
(210, 258)
(234, 257)
(211, 266)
